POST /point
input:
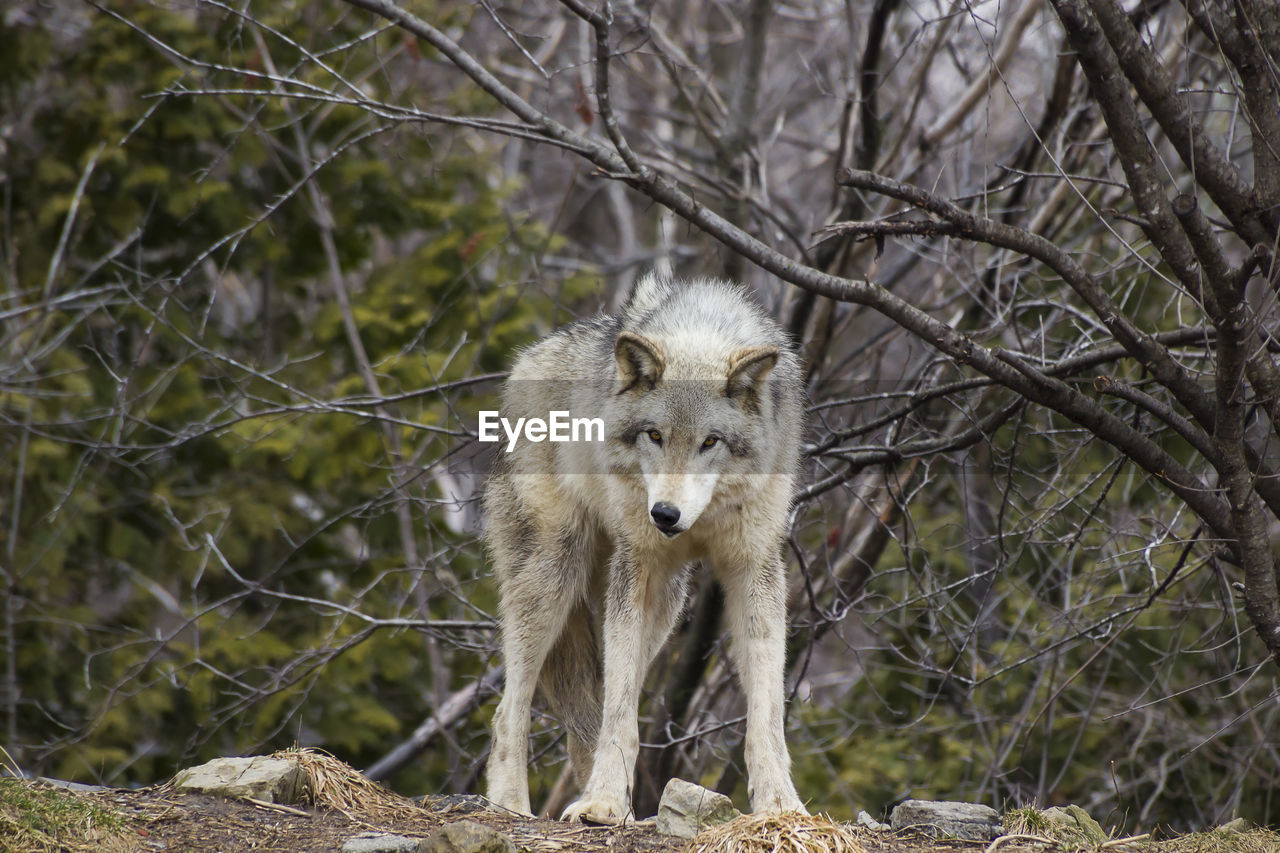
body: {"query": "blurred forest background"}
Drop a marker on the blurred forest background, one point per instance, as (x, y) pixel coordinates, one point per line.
(261, 262)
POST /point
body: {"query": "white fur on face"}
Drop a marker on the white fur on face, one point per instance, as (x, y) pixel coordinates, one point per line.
(679, 477)
(689, 493)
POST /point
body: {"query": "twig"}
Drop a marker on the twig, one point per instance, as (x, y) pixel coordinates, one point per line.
(1010, 39)
(278, 807)
(1017, 837)
(1117, 842)
(454, 707)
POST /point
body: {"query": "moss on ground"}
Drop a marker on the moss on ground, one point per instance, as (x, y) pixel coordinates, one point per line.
(40, 818)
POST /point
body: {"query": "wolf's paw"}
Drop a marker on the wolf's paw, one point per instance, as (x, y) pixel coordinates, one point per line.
(777, 802)
(510, 799)
(514, 807)
(598, 808)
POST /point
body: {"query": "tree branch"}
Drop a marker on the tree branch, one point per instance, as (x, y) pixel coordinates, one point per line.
(1010, 40)
(1219, 178)
(971, 226)
(448, 712)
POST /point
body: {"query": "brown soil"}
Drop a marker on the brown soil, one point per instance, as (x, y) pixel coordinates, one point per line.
(193, 823)
(202, 824)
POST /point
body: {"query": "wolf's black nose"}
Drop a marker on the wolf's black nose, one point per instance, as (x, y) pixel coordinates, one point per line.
(665, 515)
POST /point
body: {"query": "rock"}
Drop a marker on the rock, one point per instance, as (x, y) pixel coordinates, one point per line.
(955, 820)
(380, 842)
(78, 787)
(1237, 825)
(865, 819)
(456, 803)
(261, 778)
(686, 809)
(1075, 822)
(466, 836)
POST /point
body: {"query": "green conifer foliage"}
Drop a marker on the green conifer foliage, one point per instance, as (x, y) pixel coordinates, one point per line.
(207, 512)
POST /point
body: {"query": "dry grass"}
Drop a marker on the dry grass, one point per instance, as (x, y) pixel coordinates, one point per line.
(1030, 822)
(1026, 821)
(333, 784)
(40, 818)
(1220, 841)
(784, 833)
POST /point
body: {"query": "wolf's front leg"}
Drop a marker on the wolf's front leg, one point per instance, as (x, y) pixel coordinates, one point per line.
(640, 612)
(533, 611)
(755, 603)
(607, 795)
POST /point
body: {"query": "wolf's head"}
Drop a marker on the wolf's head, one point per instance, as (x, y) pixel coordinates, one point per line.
(686, 418)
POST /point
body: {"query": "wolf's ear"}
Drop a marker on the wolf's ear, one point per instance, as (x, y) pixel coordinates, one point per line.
(748, 368)
(640, 360)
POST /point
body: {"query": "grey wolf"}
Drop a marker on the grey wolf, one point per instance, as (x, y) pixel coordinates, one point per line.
(592, 543)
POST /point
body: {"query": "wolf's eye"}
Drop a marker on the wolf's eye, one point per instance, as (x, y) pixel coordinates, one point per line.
(655, 436)
(710, 441)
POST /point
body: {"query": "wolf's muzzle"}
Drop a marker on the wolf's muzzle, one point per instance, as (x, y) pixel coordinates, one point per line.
(666, 517)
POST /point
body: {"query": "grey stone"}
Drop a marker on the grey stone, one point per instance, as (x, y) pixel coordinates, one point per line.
(1075, 822)
(466, 836)
(954, 820)
(78, 787)
(456, 803)
(379, 842)
(1237, 825)
(686, 809)
(261, 778)
(865, 819)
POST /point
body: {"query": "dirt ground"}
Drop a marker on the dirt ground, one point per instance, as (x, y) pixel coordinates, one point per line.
(167, 821)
